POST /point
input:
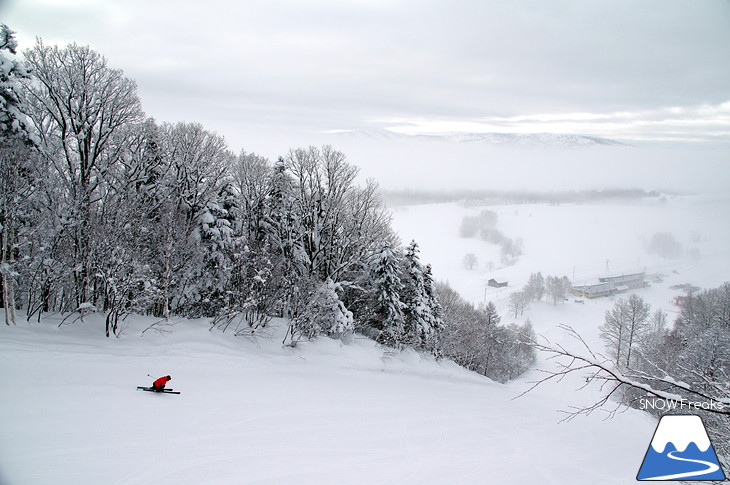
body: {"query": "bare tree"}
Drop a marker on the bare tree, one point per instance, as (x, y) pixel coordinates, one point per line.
(251, 175)
(624, 325)
(557, 288)
(518, 302)
(79, 108)
(342, 223)
(470, 261)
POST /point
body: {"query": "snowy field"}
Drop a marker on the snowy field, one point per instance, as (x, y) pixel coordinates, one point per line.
(580, 241)
(254, 412)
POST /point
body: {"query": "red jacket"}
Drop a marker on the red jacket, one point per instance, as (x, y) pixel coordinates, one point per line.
(160, 383)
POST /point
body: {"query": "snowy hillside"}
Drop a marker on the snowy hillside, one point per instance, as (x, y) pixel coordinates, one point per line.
(252, 411)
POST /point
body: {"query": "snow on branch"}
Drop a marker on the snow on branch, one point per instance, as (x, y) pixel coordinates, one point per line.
(612, 378)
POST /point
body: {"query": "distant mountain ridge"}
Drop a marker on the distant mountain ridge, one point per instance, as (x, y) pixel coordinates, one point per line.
(497, 139)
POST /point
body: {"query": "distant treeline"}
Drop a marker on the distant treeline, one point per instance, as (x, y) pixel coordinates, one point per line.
(396, 198)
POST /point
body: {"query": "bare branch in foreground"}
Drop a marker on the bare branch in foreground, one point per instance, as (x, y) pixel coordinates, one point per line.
(602, 369)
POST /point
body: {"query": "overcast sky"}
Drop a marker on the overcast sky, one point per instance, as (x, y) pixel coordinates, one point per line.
(631, 70)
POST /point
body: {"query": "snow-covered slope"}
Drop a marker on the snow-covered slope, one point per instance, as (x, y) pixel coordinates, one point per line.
(252, 411)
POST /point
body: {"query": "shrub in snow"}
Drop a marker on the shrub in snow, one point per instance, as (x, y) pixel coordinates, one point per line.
(324, 314)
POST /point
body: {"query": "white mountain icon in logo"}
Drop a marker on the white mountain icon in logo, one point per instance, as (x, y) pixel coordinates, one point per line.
(680, 450)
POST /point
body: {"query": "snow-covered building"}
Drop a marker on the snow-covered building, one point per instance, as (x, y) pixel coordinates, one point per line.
(626, 281)
(496, 284)
(594, 291)
(609, 285)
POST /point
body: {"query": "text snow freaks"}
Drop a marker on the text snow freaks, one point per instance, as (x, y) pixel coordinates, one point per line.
(651, 403)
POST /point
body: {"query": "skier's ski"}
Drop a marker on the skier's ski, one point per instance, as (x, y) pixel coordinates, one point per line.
(164, 391)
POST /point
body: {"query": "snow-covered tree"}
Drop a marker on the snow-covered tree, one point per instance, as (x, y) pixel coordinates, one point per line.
(283, 230)
(689, 363)
(326, 226)
(473, 338)
(515, 352)
(79, 108)
(511, 250)
(13, 120)
(17, 186)
(437, 324)
(422, 326)
(199, 161)
(251, 175)
(218, 222)
(491, 315)
(250, 294)
(387, 308)
(325, 314)
(20, 185)
(535, 288)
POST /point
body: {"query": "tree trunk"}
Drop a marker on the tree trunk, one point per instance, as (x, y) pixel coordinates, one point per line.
(8, 292)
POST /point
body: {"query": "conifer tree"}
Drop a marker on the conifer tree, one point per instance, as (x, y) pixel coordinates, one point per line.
(12, 117)
(491, 315)
(422, 325)
(387, 309)
(433, 344)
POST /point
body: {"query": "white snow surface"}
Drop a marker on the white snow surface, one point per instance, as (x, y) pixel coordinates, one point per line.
(254, 412)
(681, 430)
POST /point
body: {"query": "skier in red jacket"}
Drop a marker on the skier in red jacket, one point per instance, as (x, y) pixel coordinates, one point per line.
(159, 384)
